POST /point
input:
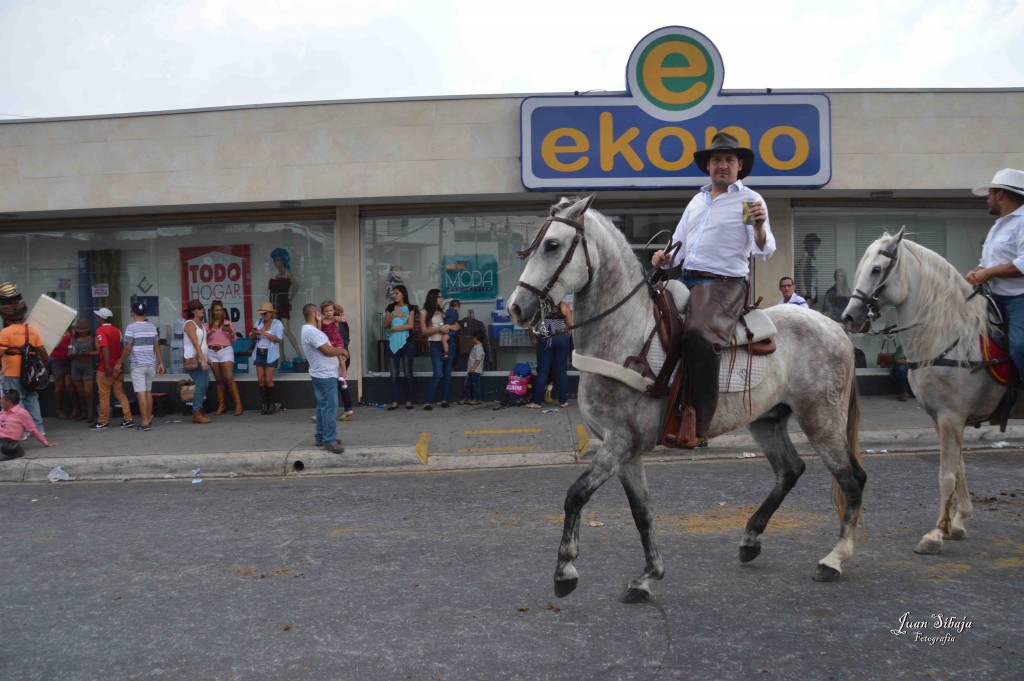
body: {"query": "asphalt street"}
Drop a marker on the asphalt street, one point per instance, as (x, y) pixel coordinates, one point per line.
(447, 575)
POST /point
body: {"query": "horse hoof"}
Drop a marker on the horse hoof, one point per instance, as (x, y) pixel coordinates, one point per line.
(749, 553)
(565, 587)
(824, 573)
(927, 547)
(956, 534)
(634, 595)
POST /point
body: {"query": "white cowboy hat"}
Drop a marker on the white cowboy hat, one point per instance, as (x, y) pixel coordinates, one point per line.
(1007, 178)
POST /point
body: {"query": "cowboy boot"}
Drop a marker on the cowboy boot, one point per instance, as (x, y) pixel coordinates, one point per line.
(198, 417)
(237, 398)
(705, 392)
(221, 407)
(264, 405)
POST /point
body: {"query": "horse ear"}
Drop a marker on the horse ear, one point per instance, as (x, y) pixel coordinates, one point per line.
(899, 237)
(580, 207)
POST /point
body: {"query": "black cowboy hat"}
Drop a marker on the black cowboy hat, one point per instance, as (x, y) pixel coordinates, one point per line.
(723, 141)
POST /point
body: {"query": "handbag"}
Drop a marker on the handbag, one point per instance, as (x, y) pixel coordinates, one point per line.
(190, 363)
(885, 358)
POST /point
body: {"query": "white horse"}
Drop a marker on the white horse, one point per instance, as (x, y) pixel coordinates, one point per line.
(938, 320)
(811, 376)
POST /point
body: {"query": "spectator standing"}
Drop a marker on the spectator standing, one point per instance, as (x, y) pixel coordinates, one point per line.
(83, 353)
(435, 330)
(401, 351)
(451, 319)
(553, 357)
(332, 330)
(60, 368)
(475, 366)
(14, 421)
(12, 339)
(346, 397)
(267, 335)
(195, 347)
(109, 379)
(220, 336)
(142, 346)
(323, 372)
(789, 295)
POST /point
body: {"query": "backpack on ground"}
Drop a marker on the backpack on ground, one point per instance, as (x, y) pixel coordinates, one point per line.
(519, 386)
(34, 375)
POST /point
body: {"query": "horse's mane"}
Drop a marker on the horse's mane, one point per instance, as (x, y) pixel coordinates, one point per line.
(941, 312)
(619, 242)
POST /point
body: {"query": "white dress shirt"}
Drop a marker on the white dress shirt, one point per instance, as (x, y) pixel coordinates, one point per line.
(713, 236)
(1005, 244)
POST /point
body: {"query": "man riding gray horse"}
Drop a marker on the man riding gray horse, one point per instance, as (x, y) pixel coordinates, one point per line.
(720, 228)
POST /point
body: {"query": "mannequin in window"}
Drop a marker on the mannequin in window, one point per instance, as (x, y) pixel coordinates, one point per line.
(283, 287)
(807, 270)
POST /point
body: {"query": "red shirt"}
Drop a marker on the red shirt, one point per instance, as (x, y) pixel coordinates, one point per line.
(109, 336)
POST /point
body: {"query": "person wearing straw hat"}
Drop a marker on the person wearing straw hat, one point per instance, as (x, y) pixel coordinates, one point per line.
(1002, 255)
(721, 227)
(267, 335)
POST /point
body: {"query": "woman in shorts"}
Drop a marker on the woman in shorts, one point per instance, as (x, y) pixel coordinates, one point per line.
(83, 353)
(60, 367)
(267, 335)
(221, 334)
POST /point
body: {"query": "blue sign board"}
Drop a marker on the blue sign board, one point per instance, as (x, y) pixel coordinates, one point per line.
(672, 108)
(469, 277)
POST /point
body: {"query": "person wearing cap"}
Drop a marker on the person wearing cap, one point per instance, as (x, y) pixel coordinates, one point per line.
(109, 377)
(1002, 255)
(267, 336)
(12, 340)
(721, 227)
(142, 345)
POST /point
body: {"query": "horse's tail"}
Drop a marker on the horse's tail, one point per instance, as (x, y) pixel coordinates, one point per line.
(853, 443)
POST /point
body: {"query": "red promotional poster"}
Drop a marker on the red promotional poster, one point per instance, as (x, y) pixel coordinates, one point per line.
(218, 273)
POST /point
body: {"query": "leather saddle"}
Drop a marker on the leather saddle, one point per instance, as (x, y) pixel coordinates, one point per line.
(755, 332)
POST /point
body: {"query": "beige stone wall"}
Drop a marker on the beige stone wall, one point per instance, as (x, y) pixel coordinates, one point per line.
(909, 142)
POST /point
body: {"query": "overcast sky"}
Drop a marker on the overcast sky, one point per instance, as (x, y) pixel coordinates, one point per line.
(87, 57)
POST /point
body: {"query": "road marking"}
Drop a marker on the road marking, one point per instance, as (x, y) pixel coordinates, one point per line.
(422, 446)
(500, 432)
(582, 439)
(478, 450)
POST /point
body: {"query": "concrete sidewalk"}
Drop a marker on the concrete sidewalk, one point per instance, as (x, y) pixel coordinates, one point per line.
(415, 440)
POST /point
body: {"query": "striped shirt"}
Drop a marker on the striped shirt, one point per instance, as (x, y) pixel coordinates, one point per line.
(144, 338)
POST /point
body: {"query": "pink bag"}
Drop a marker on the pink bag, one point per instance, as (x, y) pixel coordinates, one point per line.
(517, 385)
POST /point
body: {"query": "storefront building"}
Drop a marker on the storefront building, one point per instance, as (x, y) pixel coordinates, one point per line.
(442, 193)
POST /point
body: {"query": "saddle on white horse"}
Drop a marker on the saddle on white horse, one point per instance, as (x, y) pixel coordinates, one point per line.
(744, 368)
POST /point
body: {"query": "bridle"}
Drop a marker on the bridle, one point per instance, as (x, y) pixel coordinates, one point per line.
(546, 303)
(543, 295)
(871, 301)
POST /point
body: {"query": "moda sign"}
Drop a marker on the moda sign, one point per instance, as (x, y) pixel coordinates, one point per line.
(672, 108)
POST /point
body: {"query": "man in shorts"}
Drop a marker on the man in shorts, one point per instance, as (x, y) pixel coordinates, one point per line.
(142, 344)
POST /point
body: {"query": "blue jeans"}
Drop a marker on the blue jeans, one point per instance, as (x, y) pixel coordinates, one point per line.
(1013, 309)
(325, 390)
(396, 359)
(689, 281)
(899, 375)
(29, 401)
(552, 360)
(442, 373)
(201, 378)
(471, 390)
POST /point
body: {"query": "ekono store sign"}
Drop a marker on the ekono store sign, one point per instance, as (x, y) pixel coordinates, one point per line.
(673, 106)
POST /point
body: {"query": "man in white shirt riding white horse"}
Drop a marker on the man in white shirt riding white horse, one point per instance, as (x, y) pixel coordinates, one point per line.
(720, 228)
(1002, 255)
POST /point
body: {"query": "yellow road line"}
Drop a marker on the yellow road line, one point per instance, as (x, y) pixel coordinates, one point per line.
(477, 450)
(499, 432)
(422, 446)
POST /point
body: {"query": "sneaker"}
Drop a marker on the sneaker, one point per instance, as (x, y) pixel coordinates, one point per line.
(138, 428)
(464, 401)
(445, 405)
(24, 436)
(547, 397)
(128, 424)
(318, 444)
(146, 426)
(312, 419)
(99, 426)
(335, 448)
(428, 407)
(473, 402)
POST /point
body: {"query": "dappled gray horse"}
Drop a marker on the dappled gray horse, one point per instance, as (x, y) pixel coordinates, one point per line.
(938, 318)
(810, 376)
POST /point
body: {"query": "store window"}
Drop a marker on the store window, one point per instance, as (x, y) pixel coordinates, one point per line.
(470, 258)
(164, 267)
(829, 244)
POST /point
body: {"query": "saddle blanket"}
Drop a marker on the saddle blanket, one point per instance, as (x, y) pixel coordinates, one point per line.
(991, 350)
(732, 375)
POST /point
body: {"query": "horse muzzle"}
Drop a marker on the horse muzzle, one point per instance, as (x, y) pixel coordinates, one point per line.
(524, 307)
